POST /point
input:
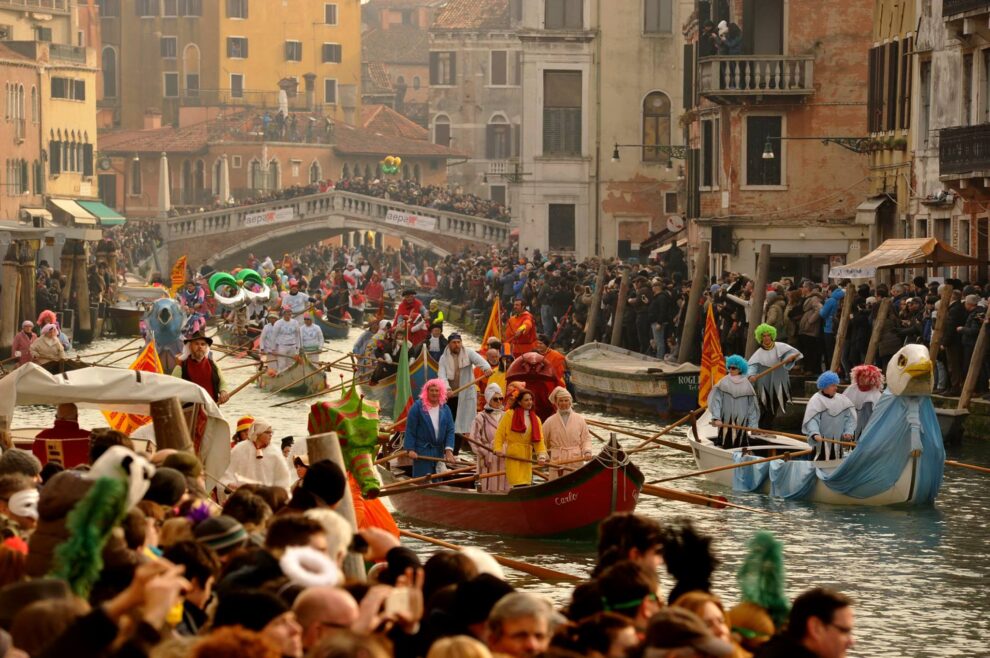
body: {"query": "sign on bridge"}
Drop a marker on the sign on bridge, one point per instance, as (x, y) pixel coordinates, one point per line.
(410, 220)
(268, 217)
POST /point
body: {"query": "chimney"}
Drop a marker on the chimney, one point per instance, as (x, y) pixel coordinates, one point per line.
(152, 118)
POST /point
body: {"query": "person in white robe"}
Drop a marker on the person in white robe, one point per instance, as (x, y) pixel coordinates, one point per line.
(483, 441)
(287, 341)
(457, 366)
(295, 300)
(310, 336)
(773, 391)
(257, 461)
(267, 343)
(733, 402)
(864, 393)
(829, 415)
(566, 433)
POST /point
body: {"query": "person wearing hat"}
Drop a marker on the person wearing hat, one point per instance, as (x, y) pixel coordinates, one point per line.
(413, 317)
(47, 349)
(288, 341)
(429, 428)
(224, 534)
(520, 330)
(436, 315)
(266, 344)
(457, 366)
(733, 402)
(65, 439)
(864, 392)
(829, 415)
(310, 336)
(198, 367)
(773, 391)
(257, 461)
(482, 437)
(21, 346)
(566, 432)
(294, 300)
(241, 431)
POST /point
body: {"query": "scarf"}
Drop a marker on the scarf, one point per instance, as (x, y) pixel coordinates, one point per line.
(519, 423)
(453, 364)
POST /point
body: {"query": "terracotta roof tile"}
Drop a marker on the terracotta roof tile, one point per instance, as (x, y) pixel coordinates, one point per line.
(473, 15)
(359, 141)
(189, 139)
(399, 44)
(383, 119)
(375, 79)
(402, 4)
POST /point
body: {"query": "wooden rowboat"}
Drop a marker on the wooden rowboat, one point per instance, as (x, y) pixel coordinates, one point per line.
(570, 506)
(230, 337)
(621, 381)
(302, 378)
(332, 330)
(383, 392)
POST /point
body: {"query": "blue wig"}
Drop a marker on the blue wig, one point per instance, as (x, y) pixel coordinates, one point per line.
(736, 361)
(826, 379)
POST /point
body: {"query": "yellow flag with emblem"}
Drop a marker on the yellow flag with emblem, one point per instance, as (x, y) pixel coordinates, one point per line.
(178, 274)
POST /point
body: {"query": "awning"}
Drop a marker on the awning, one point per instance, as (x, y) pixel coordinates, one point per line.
(74, 210)
(32, 214)
(866, 212)
(108, 216)
(656, 252)
(912, 252)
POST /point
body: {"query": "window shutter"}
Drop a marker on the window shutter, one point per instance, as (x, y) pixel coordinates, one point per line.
(87, 159)
(651, 11)
(434, 68)
(516, 151)
(54, 155)
(453, 69)
(490, 137)
(499, 73)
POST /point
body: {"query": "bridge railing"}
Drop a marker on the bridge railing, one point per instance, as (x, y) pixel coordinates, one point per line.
(335, 202)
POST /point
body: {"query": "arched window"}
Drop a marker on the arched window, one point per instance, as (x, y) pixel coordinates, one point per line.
(34, 105)
(367, 172)
(656, 126)
(405, 172)
(498, 138)
(217, 173)
(316, 172)
(190, 69)
(346, 173)
(441, 130)
(199, 182)
(109, 72)
(416, 82)
(20, 102)
(187, 182)
(274, 175)
(256, 176)
(416, 173)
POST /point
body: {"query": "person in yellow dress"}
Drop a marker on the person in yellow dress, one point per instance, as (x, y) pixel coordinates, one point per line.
(520, 435)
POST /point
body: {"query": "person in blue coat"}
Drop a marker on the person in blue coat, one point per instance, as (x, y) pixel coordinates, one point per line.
(429, 429)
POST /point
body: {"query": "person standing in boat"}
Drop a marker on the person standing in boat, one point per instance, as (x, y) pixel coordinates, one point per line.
(310, 336)
(199, 368)
(567, 434)
(457, 366)
(483, 435)
(520, 331)
(519, 438)
(288, 340)
(413, 314)
(733, 402)
(773, 391)
(267, 342)
(864, 393)
(295, 300)
(829, 415)
(429, 428)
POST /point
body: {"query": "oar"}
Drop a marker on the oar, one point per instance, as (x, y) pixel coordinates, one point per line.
(394, 455)
(670, 444)
(429, 485)
(120, 351)
(518, 565)
(319, 393)
(698, 499)
(645, 444)
(972, 467)
(729, 467)
(769, 370)
(245, 383)
(454, 393)
(787, 435)
(319, 370)
(426, 478)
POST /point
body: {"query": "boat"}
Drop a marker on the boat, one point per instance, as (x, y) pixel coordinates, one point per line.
(332, 330)
(230, 337)
(301, 378)
(132, 303)
(626, 382)
(357, 314)
(570, 506)
(383, 392)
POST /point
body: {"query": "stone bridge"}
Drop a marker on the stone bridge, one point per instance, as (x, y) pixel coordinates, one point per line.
(223, 237)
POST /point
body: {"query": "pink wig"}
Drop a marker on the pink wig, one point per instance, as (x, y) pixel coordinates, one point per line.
(867, 377)
(47, 317)
(424, 394)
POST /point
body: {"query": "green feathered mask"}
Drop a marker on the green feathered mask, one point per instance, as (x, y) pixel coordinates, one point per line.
(761, 577)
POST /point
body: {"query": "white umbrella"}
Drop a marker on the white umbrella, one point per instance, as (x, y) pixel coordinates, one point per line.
(283, 103)
(164, 189)
(225, 180)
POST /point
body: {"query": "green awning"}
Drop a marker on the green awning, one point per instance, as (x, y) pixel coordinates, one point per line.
(108, 216)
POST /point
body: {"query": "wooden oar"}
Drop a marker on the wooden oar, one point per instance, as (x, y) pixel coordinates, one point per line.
(788, 435)
(972, 467)
(120, 351)
(648, 442)
(518, 565)
(729, 467)
(427, 478)
(769, 370)
(698, 499)
(245, 383)
(394, 455)
(429, 485)
(454, 393)
(319, 393)
(319, 370)
(670, 444)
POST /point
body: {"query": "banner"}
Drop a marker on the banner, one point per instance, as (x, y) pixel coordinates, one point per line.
(712, 360)
(268, 217)
(494, 326)
(178, 274)
(409, 220)
(147, 361)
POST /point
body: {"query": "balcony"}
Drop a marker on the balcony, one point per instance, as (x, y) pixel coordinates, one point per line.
(966, 17)
(964, 160)
(46, 6)
(66, 53)
(951, 8)
(736, 78)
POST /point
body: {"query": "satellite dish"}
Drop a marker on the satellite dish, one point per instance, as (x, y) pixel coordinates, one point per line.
(675, 223)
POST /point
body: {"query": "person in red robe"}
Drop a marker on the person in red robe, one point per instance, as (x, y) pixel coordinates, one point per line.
(429, 280)
(520, 330)
(556, 360)
(375, 291)
(65, 442)
(414, 316)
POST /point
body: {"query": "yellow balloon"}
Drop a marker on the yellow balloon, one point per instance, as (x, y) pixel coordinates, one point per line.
(398, 161)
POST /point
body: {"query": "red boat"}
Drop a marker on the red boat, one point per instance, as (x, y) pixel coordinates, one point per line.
(570, 506)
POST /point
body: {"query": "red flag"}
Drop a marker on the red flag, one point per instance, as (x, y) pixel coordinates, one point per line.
(712, 360)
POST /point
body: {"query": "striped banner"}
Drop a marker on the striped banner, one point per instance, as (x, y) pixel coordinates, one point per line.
(147, 361)
(712, 360)
(178, 275)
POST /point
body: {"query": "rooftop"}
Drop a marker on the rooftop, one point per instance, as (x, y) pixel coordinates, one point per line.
(375, 79)
(399, 44)
(383, 119)
(474, 15)
(358, 141)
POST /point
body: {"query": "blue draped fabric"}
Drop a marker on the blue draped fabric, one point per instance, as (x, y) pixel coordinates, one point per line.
(749, 479)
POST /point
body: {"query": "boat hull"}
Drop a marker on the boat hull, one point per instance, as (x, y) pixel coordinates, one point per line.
(384, 391)
(570, 506)
(332, 330)
(314, 381)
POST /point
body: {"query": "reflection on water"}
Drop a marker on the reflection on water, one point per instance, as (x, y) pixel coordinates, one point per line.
(918, 576)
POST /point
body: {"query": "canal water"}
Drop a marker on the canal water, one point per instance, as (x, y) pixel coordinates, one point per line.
(919, 577)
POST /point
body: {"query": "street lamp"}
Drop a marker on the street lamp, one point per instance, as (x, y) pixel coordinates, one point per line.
(768, 151)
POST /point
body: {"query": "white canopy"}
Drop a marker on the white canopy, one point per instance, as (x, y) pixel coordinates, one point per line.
(118, 389)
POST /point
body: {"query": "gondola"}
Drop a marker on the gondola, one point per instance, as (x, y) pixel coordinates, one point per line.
(332, 330)
(302, 378)
(383, 392)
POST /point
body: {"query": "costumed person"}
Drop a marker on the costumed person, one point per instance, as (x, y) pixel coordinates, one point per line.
(47, 349)
(198, 367)
(519, 439)
(310, 336)
(483, 441)
(436, 315)
(21, 347)
(520, 330)
(556, 360)
(457, 366)
(267, 343)
(65, 442)
(295, 300)
(763, 606)
(436, 343)
(864, 393)
(429, 428)
(497, 375)
(412, 314)
(566, 432)
(257, 461)
(288, 341)
(241, 430)
(829, 415)
(191, 295)
(773, 392)
(49, 317)
(733, 402)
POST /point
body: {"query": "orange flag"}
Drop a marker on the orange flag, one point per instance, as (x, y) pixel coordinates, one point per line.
(147, 361)
(178, 274)
(494, 326)
(712, 360)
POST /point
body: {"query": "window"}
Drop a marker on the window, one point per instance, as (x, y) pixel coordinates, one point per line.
(171, 85)
(237, 8)
(561, 227)
(441, 131)
(191, 7)
(332, 53)
(190, 66)
(146, 8)
(443, 68)
(967, 89)
(293, 51)
(109, 61)
(109, 8)
(237, 47)
(564, 14)
(924, 116)
(964, 237)
(498, 139)
(907, 56)
(35, 106)
(759, 133)
(170, 8)
(499, 68)
(192, 84)
(330, 13)
(709, 153)
(986, 86)
(135, 177)
(237, 86)
(235, 161)
(69, 89)
(315, 172)
(43, 34)
(658, 16)
(256, 176)
(330, 91)
(497, 193)
(169, 47)
(670, 203)
(893, 59)
(656, 126)
(562, 112)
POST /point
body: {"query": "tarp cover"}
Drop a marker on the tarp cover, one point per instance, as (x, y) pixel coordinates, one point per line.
(909, 252)
(117, 389)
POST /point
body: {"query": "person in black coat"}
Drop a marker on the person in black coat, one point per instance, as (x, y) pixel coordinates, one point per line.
(952, 342)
